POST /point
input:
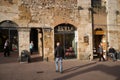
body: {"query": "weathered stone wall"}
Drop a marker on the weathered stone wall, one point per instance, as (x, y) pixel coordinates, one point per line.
(49, 45)
(49, 13)
(23, 39)
(118, 22)
(113, 25)
(8, 10)
(85, 29)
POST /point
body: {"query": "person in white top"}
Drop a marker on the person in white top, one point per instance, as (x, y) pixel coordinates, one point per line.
(6, 48)
(31, 47)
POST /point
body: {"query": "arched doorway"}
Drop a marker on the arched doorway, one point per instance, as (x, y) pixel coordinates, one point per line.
(99, 37)
(65, 34)
(8, 30)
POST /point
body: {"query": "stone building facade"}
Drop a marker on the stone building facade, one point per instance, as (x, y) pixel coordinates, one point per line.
(72, 22)
(113, 23)
(106, 24)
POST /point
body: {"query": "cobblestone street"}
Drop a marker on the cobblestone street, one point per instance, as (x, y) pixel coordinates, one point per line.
(74, 69)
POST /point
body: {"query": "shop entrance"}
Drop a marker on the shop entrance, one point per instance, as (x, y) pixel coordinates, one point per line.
(36, 37)
(99, 37)
(65, 34)
(8, 30)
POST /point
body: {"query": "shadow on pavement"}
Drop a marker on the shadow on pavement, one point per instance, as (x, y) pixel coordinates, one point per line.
(36, 59)
(113, 70)
(77, 67)
(11, 59)
(14, 58)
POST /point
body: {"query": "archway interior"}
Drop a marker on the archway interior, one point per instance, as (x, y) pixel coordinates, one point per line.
(37, 49)
(34, 38)
(65, 34)
(98, 37)
(8, 30)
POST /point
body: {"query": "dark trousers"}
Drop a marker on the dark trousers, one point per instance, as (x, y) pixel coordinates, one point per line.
(31, 51)
(6, 52)
(101, 56)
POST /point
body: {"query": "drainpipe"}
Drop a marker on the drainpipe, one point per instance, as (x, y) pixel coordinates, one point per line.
(92, 16)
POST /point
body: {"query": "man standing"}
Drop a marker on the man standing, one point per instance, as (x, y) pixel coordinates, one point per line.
(59, 55)
(100, 51)
(31, 47)
(6, 48)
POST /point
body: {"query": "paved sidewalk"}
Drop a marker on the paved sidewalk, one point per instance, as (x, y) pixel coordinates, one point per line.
(10, 69)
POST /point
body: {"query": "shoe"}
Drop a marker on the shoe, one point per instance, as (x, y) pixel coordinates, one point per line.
(56, 71)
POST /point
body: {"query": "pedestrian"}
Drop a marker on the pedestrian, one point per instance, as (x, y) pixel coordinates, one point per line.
(112, 53)
(100, 51)
(59, 55)
(31, 47)
(6, 48)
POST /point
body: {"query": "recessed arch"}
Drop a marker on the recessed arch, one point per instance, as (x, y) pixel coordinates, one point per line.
(99, 37)
(8, 30)
(8, 24)
(66, 24)
(66, 35)
(99, 31)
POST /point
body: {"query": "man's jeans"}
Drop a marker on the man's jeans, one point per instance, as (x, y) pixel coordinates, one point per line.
(58, 60)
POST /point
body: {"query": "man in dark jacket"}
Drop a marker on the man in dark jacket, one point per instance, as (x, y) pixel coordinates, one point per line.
(100, 51)
(112, 53)
(59, 55)
(6, 48)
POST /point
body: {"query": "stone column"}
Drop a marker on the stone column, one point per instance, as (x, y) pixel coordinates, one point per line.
(24, 39)
(40, 51)
(85, 46)
(48, 45)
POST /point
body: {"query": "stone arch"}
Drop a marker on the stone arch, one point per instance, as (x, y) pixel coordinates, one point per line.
(98, 27)
(69, 24)
(100, 37)
(8, 30)
(8, 24)
(65, 34)
(99, 31)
